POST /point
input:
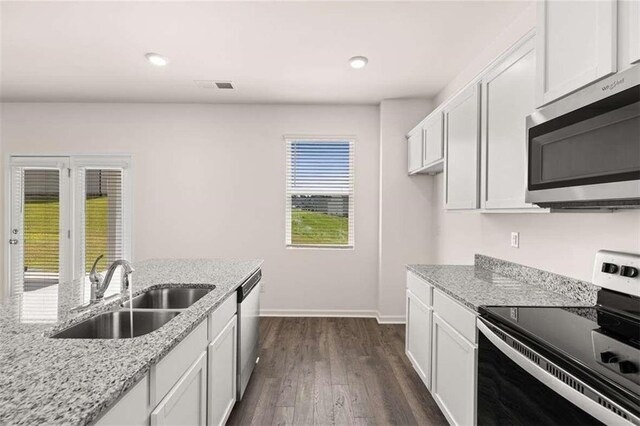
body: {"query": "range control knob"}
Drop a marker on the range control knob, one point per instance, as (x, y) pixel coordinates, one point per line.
(608, 357)
(627, 367)
(628, 271)
(609, 268)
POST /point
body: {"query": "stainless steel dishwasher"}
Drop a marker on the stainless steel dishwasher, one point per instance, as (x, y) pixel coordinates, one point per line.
(248, 329)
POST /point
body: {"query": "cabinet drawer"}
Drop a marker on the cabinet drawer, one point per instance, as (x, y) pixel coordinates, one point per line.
(419, 287)
(166, 373)
(219, 318)
(459, 317)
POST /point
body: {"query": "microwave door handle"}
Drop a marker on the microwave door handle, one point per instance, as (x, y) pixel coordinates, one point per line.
(576, 398)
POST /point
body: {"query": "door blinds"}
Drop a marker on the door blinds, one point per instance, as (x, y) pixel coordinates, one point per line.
(102, 221)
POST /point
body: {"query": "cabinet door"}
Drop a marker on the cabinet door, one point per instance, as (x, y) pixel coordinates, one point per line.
(462, 133)
(576, 45)
(415, 151)
(222, 373)
(454, 373)
(508, 97)
(186, 402)
(433, 143)
(418, 337)
(632, 34)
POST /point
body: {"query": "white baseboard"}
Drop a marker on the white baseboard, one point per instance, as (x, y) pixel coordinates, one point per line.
(390, 319)
(335, 313)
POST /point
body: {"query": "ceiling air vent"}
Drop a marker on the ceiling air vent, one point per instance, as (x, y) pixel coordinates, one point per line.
(212, 84)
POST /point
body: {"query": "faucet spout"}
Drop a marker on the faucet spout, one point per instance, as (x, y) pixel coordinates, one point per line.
(99, 284)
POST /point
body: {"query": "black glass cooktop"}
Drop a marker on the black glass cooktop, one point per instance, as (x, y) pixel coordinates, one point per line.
(599, 345)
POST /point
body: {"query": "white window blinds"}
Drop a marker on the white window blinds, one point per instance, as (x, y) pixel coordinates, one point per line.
(319, 193)
(102, 224)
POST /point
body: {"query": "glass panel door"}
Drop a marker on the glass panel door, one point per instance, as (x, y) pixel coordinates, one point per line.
(39, 232)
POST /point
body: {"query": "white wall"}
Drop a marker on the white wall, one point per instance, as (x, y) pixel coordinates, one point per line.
(209, 182)
(404, 206)
(564, 243)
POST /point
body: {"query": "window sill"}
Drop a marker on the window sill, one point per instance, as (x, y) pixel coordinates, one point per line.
(317, 247)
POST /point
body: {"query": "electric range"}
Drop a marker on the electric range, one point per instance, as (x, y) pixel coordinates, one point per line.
(550, 365)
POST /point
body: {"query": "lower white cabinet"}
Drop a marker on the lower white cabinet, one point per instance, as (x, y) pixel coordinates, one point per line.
(194, 384)
(454, 373)
(186, 402)
(132, 409)
(441, 343)
(418, 337)
(222, 353)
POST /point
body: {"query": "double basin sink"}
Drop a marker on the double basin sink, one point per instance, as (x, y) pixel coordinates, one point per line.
(141, 315)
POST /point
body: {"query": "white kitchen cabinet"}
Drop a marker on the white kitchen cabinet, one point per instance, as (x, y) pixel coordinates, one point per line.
(462, 137)
(222, 354)
(454, 373)
(631, 34)
(433, 149)
(132, 409)
(414, 148)
(418, 337)
(576, 45)
(186, 402)
(507, 98)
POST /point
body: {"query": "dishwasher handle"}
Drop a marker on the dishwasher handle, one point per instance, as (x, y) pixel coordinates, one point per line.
(249, 285)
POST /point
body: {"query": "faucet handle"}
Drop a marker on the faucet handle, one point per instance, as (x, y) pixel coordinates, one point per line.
(94, 276)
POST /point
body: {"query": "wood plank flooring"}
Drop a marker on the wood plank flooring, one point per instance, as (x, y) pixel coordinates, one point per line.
(334, 371)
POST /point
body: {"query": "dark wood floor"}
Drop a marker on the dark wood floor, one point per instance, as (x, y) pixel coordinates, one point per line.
(339, 371)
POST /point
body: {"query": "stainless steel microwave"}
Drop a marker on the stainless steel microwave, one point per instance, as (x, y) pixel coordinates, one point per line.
(584, 151)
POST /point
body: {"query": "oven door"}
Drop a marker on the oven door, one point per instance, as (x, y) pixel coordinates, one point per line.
(516, 387)
(587, 152)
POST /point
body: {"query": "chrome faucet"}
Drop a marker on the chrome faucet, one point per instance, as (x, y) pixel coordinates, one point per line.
(100, 283)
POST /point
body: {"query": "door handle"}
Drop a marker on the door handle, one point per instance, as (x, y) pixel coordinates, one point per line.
(13, 241)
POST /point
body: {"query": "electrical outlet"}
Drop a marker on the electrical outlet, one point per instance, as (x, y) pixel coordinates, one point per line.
(515, 239)
(262, 287)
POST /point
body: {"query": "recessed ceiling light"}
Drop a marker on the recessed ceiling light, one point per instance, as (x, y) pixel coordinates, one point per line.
(358, 62)
(156, 59)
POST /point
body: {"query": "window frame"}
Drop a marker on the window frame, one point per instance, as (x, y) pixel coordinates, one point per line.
(71, 195)
(287, 194)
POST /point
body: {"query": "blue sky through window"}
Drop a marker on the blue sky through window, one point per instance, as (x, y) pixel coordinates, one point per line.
(320, 166)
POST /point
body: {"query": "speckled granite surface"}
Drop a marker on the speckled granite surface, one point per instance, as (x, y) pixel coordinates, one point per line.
(570, 287)
(475, 286)
(73, 381)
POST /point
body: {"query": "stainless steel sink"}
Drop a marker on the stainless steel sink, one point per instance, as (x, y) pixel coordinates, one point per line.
(118, 325)
(167, 298)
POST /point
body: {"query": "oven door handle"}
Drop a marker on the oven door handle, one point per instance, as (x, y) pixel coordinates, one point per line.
(558, 386)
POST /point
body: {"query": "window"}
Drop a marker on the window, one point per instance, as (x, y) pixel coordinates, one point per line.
(319, 193)
(64, 212)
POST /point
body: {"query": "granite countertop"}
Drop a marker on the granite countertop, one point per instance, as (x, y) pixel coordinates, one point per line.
(476, 286)
(73, 381)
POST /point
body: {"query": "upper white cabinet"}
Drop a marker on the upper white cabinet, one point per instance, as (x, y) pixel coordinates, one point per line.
(433, 151)
(628, 32)
(576, 45)
(426, 145)
(507, 98)
(414, 142)
(462, 141)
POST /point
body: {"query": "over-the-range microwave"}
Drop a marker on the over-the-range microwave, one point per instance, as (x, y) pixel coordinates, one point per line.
(583, 151)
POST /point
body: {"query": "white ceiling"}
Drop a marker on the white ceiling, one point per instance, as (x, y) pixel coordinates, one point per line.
(274, 52)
